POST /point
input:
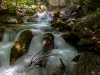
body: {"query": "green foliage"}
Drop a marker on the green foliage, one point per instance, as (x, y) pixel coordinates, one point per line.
(29, 3)
(32, 10)
(98, 9)
(29, 10)
(10, 6)
(21, 3)
(92, 5)
(4, 18)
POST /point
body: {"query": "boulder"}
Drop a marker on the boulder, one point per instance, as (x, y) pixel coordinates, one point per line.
(54, 4)
(48, 41)
(62, 69)
(12, 21)
(21, 46)
(85, 42)
(87, 25)
(88, 64)
(87, 29)
(69, 37)
(59, 23)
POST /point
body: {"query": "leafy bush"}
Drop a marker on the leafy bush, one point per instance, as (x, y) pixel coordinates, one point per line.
(92, 5)
(29, 3)
(4, 18)
(10, 7)
(98, 9)
(32, 10)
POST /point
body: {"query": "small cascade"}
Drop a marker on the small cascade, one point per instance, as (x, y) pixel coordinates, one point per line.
(25, 18)
(62, 51)
(44, 17)
(9, 35)
(5, 37)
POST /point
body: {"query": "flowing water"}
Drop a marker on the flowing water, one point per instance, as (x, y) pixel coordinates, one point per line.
(62, 50)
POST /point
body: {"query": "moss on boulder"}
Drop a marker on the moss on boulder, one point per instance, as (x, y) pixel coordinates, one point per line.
(21, 46)
(88, 64)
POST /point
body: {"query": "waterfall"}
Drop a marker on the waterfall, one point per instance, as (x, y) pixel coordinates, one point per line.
(9, 35)
(62, 50)
(25, 19)
(44, 17)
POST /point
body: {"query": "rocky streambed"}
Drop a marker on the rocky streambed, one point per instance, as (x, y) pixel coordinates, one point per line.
(84, 34)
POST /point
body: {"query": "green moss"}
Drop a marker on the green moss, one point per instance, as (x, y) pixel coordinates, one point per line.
(88, 64)
(4, 18)
(91, 5)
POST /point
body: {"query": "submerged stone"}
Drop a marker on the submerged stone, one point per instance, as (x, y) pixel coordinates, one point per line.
(62, 69)
(21, 46)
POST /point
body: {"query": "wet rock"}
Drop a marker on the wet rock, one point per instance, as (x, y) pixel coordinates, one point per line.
(60, 70)
(31, 19)
(88, 64)
(48, 41)
(54, 4)
(71, 38)
(57, 14)
(87, 29)
(12, 21)
(88, 23)
(21, 46)
(85, 42)
(60, 25)
(1, 33)
(73, 11)
(84, 32)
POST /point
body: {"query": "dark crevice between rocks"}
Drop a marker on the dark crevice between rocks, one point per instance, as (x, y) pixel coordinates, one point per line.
(1, 34)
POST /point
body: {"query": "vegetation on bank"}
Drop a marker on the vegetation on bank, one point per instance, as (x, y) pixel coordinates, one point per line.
(16, 9)
(90, 6)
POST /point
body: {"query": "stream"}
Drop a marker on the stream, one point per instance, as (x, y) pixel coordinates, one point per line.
(62, 50)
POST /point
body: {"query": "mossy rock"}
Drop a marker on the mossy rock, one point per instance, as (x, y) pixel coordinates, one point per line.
(69, 36)
(88, 64)
(87, 25)
(21, 46)
(48, 42)
(85, 42)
